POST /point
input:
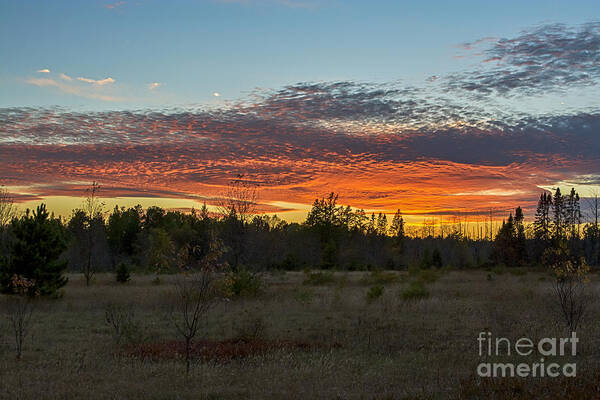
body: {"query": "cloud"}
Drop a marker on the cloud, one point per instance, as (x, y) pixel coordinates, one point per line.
(551, 57)
(380, 145)
(97, 82)
(115, 5)
(283, 143)
(154, 85)
(65, 77)
(42, 82)
(44, 71)
(68, 88)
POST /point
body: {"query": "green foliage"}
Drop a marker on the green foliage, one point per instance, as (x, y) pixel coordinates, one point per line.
(374, 293)
(122, 229)
(415, 290)
(122, 273)
(38, 242)
(319, 278)
(242, 283)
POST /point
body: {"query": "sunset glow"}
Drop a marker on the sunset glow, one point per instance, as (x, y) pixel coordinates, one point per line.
(487, 134)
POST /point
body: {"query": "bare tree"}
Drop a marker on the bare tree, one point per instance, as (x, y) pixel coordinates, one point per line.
(195, 292)
(7, 212)
(239, 199)
(569, 285)
(90, 232)
(7, 207)
(20, 310)
(593, 203)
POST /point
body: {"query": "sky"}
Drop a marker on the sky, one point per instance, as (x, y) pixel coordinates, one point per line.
(436, 108)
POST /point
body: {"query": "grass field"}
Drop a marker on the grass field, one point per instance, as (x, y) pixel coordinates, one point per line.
(328, 339)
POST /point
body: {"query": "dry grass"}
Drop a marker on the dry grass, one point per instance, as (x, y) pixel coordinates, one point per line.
(311, 341)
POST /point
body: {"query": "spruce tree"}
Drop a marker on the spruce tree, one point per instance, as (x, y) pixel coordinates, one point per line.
(38, 243)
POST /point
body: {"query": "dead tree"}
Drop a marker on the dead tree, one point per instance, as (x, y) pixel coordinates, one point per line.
(20, 306)
(195, 293)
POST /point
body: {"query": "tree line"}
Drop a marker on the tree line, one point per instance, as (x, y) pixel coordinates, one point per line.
(41, 247)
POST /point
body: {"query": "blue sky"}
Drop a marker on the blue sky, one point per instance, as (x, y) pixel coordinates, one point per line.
(193, 49)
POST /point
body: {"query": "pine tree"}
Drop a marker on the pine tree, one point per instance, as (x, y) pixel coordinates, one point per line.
(38, 244)
(397, 227)
(520, 240)
(542, 223)
(382, 227)
(558, 208)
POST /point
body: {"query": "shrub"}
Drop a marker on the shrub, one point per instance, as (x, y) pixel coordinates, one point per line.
(242, 283)
(121, 320)
(380, 278)
(319, 278)
(374, 293)
(122, 274)
(424, 275)
(416, 290)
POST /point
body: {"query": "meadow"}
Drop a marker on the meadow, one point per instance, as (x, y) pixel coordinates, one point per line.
(391, 335)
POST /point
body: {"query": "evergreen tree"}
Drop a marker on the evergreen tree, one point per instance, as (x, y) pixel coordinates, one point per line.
(520, 240)
(505, 249)
(372, 225)
(397, 227)
(558, 209)
(542, 222)
(382, 225)
(38, 243)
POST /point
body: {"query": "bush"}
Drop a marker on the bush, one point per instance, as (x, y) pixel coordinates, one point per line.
(374, 293)
(122, 274)
(242, 283)
(416, 290)
(319, 278)
(380, 278)
(425, 276)
(122, 322)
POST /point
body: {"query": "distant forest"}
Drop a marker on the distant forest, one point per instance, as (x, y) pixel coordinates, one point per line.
(332, 237)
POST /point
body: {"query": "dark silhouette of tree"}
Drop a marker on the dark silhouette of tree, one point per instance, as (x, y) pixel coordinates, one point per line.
(542, 225)
(520, 239)
(38, 242)
(123, 228)
(559, 214)
(382, 225)
(397, 227)
(436, 258)
(88, 234)
(505, 251)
